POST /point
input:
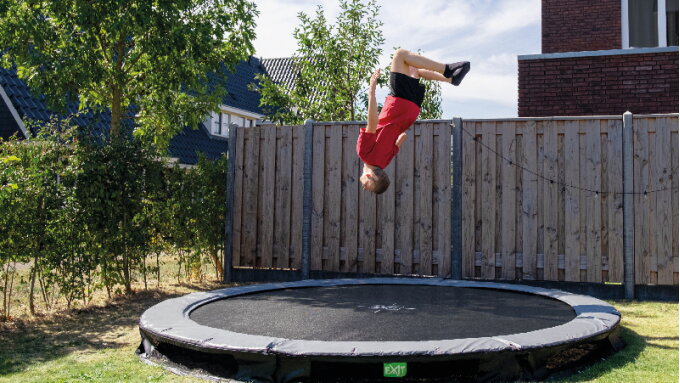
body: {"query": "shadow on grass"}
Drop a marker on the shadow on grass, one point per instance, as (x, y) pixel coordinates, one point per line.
(92, 328)
(635, 344)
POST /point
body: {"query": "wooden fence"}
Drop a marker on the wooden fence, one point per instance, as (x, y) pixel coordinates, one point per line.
(541, 199)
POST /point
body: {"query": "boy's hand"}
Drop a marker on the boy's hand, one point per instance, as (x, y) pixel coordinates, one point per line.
(374, 78)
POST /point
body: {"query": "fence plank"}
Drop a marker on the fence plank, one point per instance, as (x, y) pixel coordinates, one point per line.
(442, 196)
(572, 230)
(318, 183)
(641, 180)
(615, 200)
(404, 199)
(367, 223)
(663, 203)
(333, 188)
(238, 198)
(508, 220)
(351, 174)
(424, 166)
(550, 197)
(469, 200)
(282, 216)
(266, 211)
(529, 202)
(674, 199)
(296, 196)
(250, 175)
(652, 218)
(593, 205)
(488, 209)
(386, 216)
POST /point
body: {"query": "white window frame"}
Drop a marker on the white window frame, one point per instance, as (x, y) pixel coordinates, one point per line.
(661, 24)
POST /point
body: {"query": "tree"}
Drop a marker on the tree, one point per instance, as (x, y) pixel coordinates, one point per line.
(148, 61)
(333, 63)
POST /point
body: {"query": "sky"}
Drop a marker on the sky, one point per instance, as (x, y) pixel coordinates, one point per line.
(488, 33)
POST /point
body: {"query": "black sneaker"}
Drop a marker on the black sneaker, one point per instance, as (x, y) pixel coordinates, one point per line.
(457, 71)
(460, 69)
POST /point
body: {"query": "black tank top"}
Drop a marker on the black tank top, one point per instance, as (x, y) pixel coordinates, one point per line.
(407, 87)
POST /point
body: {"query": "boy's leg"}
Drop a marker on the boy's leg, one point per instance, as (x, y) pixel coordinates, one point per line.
(403, 59)
(430, 75)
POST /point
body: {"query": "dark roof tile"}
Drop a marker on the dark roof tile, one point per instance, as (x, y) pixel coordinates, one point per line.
(184, 145)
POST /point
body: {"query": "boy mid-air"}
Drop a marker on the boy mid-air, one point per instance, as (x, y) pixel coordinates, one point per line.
(379, 142)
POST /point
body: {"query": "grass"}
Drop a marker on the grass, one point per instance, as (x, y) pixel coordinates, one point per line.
(97, 344)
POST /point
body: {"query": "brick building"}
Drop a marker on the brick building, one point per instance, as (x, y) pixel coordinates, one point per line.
(603, 57)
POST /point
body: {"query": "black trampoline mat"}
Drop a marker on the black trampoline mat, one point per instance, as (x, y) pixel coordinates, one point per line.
(383, 313)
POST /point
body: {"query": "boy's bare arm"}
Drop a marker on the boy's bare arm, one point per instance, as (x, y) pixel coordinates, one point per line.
(372, 125)
(400, 139)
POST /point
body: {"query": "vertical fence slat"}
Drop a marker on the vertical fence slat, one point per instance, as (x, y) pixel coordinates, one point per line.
(652, 220)
(367, 204)
(442, 197)
(424, 165)
(674, 198)
(469, 200)
(386, 211)
(332, 219)
(488, 209)
(508, 220)
(351, 173)
(572, 254)
(238, 196)
(297, 197)
(663, 203)
(267, 196)
(593, 205)
(282, 215)
(641, 172)
(529, 202)
(251, 184)
(318, 183)
(615, 200)
(550, 197)
(404, 199)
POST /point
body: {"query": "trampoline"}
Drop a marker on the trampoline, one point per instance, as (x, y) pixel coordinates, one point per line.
(376, 329)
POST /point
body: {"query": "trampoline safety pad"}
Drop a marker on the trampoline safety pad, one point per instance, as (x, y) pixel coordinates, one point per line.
(394, 329)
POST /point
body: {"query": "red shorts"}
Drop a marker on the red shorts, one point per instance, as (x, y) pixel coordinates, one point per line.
(396, 117)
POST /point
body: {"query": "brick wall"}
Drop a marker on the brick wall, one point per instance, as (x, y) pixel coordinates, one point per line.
(580, 25)
(599, 85)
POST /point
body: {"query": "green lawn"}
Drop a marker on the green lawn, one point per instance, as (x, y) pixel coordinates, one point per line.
(97, 345)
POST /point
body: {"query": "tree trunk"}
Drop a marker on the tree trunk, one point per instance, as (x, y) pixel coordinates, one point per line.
(158, 269)
(31, 301)
(116, 112)
(218, 263)
(117, 94)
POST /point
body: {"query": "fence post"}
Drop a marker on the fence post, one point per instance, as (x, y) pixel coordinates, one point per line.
(229, 216)
(307, 199)
(628, 212)
(456, 197)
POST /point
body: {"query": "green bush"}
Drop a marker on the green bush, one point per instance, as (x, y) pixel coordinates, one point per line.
(87, 214)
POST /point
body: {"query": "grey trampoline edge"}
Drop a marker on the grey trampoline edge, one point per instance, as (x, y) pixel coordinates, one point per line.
(169, 322)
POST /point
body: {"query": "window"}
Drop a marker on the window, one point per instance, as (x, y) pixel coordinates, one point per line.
(213, 123)
(672, 22)
(224, 124)
(649, 23)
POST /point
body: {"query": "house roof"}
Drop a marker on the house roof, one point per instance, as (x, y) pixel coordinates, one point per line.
(281, 70)
(184, 145)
